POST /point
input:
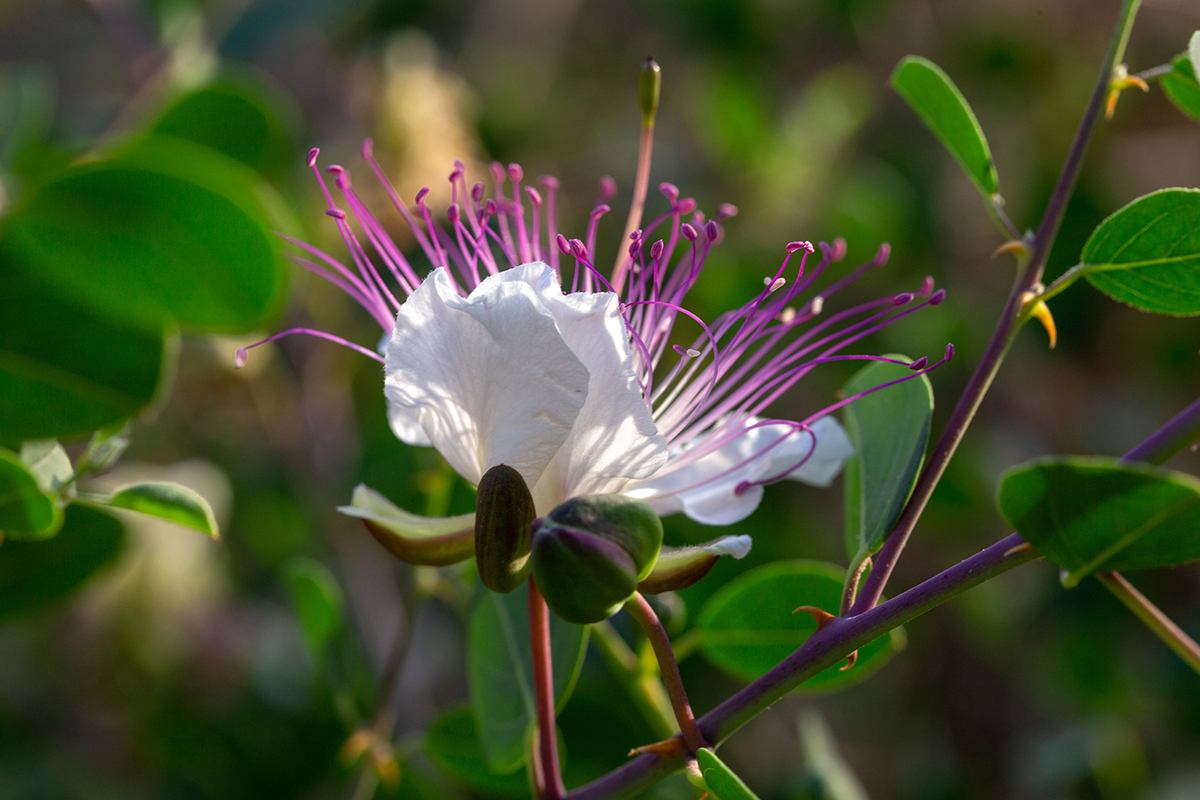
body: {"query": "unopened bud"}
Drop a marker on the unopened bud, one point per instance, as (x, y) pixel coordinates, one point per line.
(503, 515)
(649, 88)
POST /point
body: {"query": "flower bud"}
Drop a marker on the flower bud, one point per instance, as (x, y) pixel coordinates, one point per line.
(589, 553)
(503, 515)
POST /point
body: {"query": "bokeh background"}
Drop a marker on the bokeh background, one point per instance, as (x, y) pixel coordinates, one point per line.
(182, 672)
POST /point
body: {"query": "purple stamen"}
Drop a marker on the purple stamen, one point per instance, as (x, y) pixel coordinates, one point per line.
(242, 355)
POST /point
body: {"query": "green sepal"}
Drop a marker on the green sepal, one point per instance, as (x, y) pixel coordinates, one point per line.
(424, 541)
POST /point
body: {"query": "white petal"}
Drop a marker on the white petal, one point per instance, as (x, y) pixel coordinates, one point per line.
(705, 490)
(487, 378)
(614, 439)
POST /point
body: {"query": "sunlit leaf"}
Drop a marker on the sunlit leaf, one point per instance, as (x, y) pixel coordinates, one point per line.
(889, 429)
(168, 501)
(36, 574)
(26, 511)
(1181, 87)
(721, 781)
(499, 671)
(747, 627)
(1148, 253)
(942, 107)
(1097, 515)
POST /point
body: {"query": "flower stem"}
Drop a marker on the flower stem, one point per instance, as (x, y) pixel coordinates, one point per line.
(1006, 329)
(543, 688)
(641, 611)
(823, 649)
(1162, 625)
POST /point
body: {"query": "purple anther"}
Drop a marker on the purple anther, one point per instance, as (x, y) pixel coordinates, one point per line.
(741, 488)
(698, 218)
(926, 287)
(563, 245)
(477, 192)
(578, 248)
(515, 173)
(711, 230)
(794, 247)
(881, 255)
(312, 156)
(634, 249)
(937, 297)
(534, 196)
(656, 250)
(903, 299)
(608, 189)
(636, 235)
(452, 213)
(334, 169)
(336, 213)
(459, 169)
(489, 207)
(497, 172)
(725, 211)
(920, 364)
(839, 250)
(368, 148)
(669, 191)
(239, 360)
(549, 181)
(600, 210)
(421, 195)
(687, 205)
(688, 231)
(949, 351)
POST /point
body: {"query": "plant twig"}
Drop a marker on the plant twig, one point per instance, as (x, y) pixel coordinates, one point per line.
(1182, 430)
(543, 687)
(639, 608)
(1006, 329)
(1162, 625)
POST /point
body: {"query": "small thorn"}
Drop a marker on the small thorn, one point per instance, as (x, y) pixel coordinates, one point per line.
(1016, 247)
(819, 615)
(850, 661)
(666, 748)
(1021, 548)
(1042, 312)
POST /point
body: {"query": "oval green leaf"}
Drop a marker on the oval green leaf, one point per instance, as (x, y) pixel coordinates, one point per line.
(452, 743)
(1181, 87)
(318, 601)
(26, 512)
(67, 368)
(236, 117)
(1147, 255)
(747, 627)
(942, 107)
(889, 430)
(721, 781)
(500, 669)
(1098, 515)
(35, 574)
(167, 229)
(168, 501)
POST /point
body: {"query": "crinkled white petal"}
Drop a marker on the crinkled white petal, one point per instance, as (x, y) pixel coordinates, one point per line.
(614, 439)
(705, 490)
(486, 378)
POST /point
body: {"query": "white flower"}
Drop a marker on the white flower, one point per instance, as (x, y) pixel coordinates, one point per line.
(492, 359)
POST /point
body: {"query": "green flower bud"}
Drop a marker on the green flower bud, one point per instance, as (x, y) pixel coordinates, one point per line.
(589, 553)
(503, 514)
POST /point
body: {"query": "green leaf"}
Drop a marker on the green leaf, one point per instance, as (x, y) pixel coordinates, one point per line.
(165, 229)
(67, 369)
(889, 429)
(318, 601)
(1098, 515)
(747, 626)
(239, 118)
(722, 783)
(1194, 52)
(168, 501)
(499, 671)
(36, 574)
(1148, 254)
(1181, 87)
(942, 107)
(452, 743)
(47, 461)
(26, 511)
